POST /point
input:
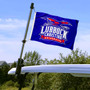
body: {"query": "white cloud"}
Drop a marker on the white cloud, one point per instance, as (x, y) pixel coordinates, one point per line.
(12, 24)
(0, 19)
(83, 37)
(10, 50)
(11, 34)
(83, 42)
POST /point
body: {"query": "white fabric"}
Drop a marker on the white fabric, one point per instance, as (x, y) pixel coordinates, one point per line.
(80, 70)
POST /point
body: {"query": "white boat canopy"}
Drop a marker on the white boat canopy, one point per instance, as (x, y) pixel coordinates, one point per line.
(78, 70)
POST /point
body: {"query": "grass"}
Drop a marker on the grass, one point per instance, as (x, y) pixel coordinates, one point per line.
(6, 87)
(13, 88)
(10, 85)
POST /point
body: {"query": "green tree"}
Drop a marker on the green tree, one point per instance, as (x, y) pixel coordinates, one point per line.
(32, 58)
(55, 61)
(88, 60)
(44, 81)
(13, 65)
(4, 74)
(44, 62)
(67, 81)
(76, 57)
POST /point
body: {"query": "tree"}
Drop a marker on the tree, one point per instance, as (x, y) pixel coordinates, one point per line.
(76, 57)
(4, 73)
(32, 58)
(67, 81)
(13, 65)
(44, 81)
(44, 62)
(55, 61)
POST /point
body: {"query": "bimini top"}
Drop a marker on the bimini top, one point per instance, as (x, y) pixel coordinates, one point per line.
(79, 70)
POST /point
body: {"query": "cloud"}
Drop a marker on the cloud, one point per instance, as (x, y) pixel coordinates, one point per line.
(9, 50)
(83, 37)
(83, 42)
(11, 34)
(0, 19)
(12, 24)
(13, 28)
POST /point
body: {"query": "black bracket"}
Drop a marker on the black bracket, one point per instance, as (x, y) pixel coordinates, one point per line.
(24, 41)
(32, 6)
(19, 65)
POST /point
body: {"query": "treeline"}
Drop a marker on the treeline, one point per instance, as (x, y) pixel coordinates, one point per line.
(50, 81)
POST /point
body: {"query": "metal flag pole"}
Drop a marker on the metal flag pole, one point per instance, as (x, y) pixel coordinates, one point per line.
(20, 60)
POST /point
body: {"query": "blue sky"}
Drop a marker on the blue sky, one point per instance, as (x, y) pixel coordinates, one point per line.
(13, 19)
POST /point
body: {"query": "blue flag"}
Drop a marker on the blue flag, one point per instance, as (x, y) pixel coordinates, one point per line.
(54, 30)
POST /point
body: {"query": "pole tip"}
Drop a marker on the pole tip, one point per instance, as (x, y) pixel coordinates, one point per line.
(32, 5)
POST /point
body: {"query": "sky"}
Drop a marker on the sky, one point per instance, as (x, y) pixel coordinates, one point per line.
(13, 20)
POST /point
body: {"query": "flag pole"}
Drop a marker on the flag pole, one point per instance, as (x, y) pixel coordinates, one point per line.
(20, 60)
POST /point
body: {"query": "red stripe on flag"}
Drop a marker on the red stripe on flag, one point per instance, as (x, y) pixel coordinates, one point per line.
(52, 38)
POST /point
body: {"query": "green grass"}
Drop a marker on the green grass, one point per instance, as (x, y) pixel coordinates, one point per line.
(13, 88)
(10, 85)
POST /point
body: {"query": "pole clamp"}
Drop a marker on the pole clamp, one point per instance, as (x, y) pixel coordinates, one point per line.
(24, 41)
(32, 5)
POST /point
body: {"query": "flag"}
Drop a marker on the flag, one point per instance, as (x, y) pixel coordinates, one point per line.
(54, 30)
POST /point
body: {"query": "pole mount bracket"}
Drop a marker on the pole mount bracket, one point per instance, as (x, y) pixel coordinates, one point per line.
(32, 5)
(24, 41)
